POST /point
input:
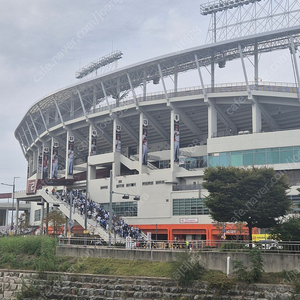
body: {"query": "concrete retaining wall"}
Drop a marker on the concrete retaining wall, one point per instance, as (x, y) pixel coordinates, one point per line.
(273, 262)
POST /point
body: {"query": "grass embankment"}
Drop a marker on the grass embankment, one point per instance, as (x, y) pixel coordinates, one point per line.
(38, 253)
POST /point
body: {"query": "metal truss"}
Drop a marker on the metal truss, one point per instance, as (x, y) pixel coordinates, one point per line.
(98, 64)
(237, 19)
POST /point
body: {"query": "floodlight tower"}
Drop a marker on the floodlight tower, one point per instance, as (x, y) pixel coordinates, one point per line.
(237, 18)
(232, 19)
(213, 7)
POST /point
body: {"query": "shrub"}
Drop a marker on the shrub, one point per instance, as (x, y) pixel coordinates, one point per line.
(256, 267)
(187, 267)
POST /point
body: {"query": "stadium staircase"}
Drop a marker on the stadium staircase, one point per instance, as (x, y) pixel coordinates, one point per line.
(149, 165)
(92, 225)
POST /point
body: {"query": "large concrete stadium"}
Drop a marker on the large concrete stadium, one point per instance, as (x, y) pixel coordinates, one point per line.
(104, 121)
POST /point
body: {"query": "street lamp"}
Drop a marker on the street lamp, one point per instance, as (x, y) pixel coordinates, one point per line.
(13, 204)
(125, 196)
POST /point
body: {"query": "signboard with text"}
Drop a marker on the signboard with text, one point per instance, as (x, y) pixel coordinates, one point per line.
(188, 221)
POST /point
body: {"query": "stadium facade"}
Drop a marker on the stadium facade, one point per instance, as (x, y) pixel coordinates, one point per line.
(157, 145)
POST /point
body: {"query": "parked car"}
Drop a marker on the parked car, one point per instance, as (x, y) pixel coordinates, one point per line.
(96, 242)
(266, 245)
(269, 245)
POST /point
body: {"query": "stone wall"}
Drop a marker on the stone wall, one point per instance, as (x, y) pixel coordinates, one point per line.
(68, 286)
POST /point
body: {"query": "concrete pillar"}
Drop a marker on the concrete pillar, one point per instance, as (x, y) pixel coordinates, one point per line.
(117, 148)
(69, 155)
(212, 121)
(256, 118)
(143, 121)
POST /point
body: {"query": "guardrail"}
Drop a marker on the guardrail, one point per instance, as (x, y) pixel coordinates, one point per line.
(268, 246)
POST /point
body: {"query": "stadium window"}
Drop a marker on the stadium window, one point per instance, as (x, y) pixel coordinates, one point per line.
(260, 157)
(213, 161)
(123, 209)
(236, 158)
(160, 182)
(187, 207)
(37, 215)
(248, 158)
(286, 155)
(147, 183)
(224, 159)
(273, 156)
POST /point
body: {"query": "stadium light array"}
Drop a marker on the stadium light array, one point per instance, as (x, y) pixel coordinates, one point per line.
(217, 6)
(101, 62)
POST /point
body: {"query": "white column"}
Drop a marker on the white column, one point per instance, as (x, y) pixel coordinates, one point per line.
(116, 166)
(91, 173)
(174, 165)
(39, 161)
(142, 168)
(212, 121)
(35, 160)
(256, 117)
(69, 134)
(6, 217)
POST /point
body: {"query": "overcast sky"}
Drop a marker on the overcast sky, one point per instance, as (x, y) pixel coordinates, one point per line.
(33, 32)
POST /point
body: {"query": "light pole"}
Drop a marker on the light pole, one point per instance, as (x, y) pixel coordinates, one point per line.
(111, 192)
(13, 202)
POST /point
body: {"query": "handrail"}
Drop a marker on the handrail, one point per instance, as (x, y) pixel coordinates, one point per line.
(268, 246)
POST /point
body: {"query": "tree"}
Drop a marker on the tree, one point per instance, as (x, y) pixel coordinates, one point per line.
(256, 196)
(56, 219)
(287, 229)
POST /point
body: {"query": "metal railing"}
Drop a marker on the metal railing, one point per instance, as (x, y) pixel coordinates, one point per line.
(268, 246)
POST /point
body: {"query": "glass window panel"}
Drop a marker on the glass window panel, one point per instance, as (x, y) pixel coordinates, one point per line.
(273, 157)
(247, 151)
(286, 156)
(224, 153)
(248, 159)
(225, 160)
(296, 157)
(259, 150)
(237, 158)
(213, 161)
(189, 207)
(259, 158)
(203, 162)
(286, 149)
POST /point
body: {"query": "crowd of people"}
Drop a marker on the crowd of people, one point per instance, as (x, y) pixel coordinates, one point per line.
(96, 212)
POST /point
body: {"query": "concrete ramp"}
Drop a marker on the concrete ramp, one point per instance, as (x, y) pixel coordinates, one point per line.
(130, 164)
(92, 226)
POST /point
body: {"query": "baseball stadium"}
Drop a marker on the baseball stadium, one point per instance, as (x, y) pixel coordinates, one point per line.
(136, 142)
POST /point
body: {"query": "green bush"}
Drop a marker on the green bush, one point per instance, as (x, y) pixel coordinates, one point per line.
(256, 267)
(187, 267)
(218, 280)
(227, 246)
